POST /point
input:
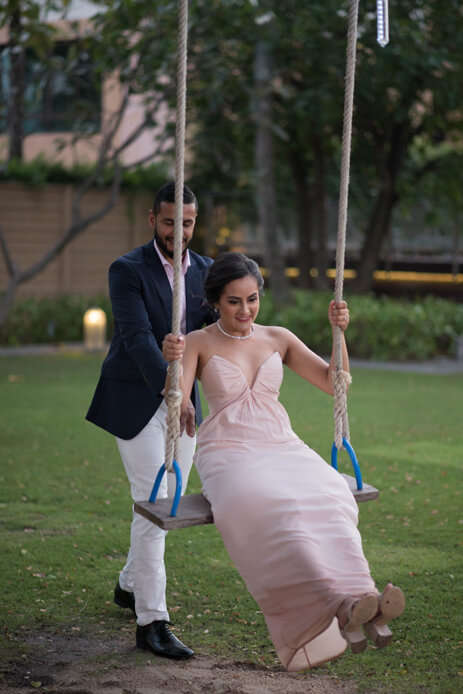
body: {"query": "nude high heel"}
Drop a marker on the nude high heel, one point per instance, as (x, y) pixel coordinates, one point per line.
(352, 615)
(391, 604)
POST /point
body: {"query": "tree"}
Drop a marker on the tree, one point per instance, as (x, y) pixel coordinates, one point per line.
(211, 59)
(410, 89)
(311, 58)
(306, 113)
(440, 192)
(16, 107)
(27, 31)
(265, 166)
(110, 149)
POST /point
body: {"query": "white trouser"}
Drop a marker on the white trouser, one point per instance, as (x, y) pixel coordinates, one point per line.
(144, 573)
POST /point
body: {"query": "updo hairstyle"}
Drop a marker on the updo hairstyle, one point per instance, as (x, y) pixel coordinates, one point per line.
(226, 268)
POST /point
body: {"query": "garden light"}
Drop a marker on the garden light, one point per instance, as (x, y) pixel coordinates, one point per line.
(94, 330)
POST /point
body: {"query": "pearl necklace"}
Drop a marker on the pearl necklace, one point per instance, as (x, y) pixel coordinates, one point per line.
(235, 337)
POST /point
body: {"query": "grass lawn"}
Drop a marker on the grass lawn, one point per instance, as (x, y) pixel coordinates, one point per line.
(65, 515)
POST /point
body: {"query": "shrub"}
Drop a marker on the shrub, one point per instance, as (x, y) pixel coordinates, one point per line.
(384, 328)
(38, 321)
(380, 328)
(39, 172)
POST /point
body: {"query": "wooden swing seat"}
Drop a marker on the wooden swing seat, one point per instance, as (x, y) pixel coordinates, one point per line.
(194, 509)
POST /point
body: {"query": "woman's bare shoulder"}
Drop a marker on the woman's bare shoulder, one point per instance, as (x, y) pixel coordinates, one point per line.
(275, 332)
(198, 337)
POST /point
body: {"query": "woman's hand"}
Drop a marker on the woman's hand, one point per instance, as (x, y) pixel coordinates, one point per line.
(188, 421)
(338, 315)
(173, 347)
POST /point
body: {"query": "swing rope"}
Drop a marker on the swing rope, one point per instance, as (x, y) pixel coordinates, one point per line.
(342, 378)
(174, 395)
(197, 511)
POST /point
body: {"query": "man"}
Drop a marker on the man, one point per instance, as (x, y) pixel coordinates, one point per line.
(128, 400)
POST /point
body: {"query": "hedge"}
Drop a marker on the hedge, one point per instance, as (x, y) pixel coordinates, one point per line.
(39, 172)
(58, 320)
(380, 328)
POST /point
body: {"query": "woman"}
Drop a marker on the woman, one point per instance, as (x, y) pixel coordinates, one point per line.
(288, 519)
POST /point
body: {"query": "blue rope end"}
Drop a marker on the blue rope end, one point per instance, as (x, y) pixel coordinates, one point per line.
(353, 458)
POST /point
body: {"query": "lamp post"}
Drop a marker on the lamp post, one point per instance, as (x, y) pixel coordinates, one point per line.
(94, 330)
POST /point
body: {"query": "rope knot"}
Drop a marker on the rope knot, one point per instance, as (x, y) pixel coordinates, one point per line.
(341, 379)
(173, 399)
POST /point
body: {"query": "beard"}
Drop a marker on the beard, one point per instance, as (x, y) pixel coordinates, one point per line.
(163, 247)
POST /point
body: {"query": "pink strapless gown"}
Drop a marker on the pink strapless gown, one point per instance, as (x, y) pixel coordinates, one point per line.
(287, 518)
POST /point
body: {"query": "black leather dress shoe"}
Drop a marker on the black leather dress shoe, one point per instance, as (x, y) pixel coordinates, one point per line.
(124, 599)
(158, 638)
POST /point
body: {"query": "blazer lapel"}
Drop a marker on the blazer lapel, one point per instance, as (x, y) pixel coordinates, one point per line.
(193, 291)
(159, 280)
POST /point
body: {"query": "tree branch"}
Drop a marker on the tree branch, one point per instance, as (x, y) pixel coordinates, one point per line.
(10, 264)
(78, 225)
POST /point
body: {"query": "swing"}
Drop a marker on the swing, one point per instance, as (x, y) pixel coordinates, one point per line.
(194, 509)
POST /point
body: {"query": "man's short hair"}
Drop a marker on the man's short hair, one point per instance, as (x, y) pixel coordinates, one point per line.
(167, 194)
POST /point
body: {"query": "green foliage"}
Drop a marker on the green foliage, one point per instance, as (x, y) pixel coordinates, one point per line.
(38, 34)
(38, 321)
(403, 330)
(380, 328)
(39, 172)
(65, 513)
(393, 112)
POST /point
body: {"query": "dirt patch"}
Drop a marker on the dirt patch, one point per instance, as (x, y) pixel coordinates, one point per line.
(71, 664)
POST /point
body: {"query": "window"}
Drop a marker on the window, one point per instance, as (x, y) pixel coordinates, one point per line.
(61, 94)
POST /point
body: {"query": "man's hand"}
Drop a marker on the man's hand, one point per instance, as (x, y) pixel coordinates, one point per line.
(187, 421)
(173, 347)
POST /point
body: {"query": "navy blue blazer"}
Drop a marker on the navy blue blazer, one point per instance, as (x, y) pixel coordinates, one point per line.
(133, 373)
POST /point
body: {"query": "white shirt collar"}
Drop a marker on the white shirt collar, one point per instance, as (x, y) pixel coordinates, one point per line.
(186, 261)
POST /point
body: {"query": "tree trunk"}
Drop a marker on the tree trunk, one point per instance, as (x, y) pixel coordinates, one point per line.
(456, 244)
(375, 235)
(321, 256)
(77, 226)
(17, 78)
(378, 227)
(304, 219)
(264, 161)
(7, 300)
